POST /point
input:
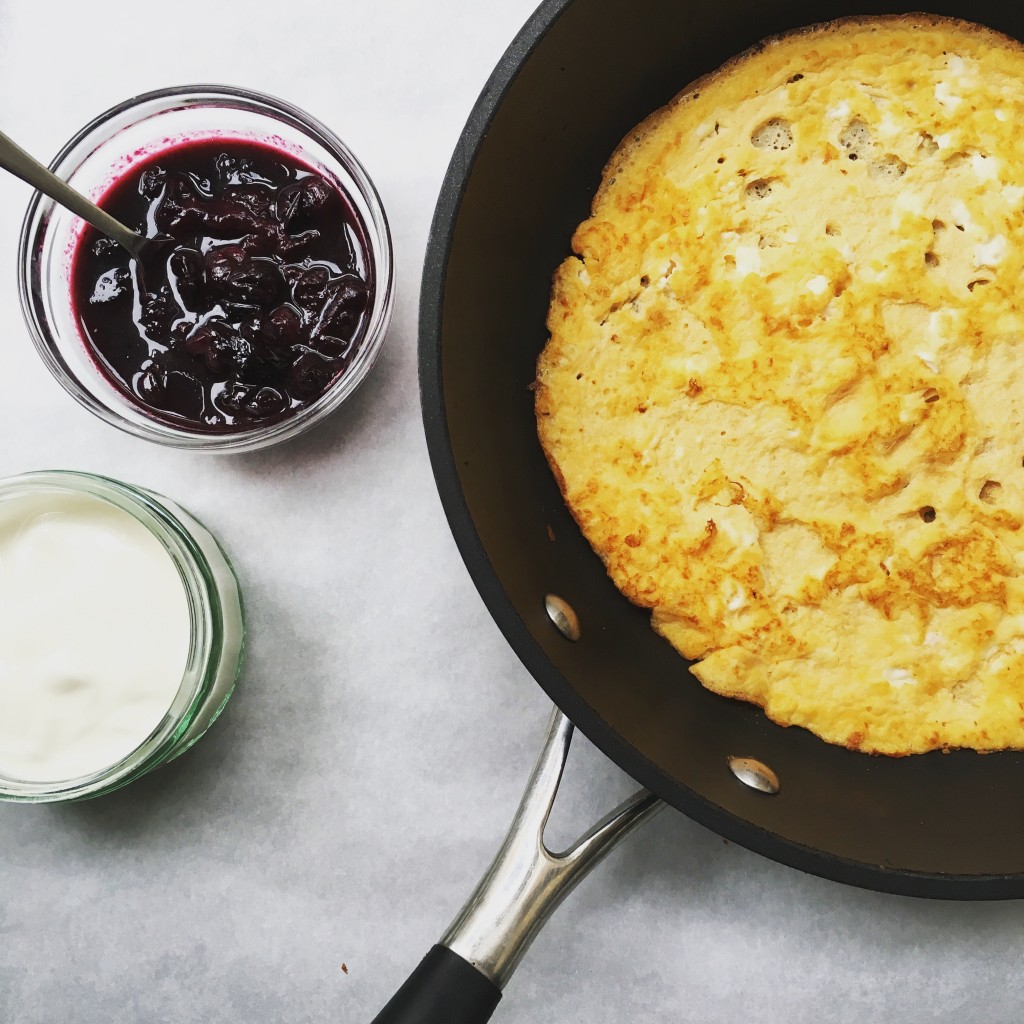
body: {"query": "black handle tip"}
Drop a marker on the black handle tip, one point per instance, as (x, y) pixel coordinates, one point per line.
(444, 989)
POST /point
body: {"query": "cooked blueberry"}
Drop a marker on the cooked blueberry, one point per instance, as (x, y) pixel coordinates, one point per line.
(257, 282)
(285, 325)
(259, 334)
(337, 321)
(352, 293)
(230, 170)
(343, 308)
(111, 285)
(311, 374)
(314, 193)
(199, 340)
(234, 396)
(220, 355)
(265, 238)
(287, 205)
(266, 402)
(256, 328)
(222, 218)
(151, 182)
(180, 330)
(291, 272)
(257, 199)
(294, 246)
(104, 247)
(151, 381)
(222, 262)
(331, 347)
(186, 270)
(310, 290)
(304, 198)
(177, 206)
(157, 313)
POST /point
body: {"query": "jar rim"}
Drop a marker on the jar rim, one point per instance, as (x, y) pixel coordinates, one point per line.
(32, 283)
(205, 623)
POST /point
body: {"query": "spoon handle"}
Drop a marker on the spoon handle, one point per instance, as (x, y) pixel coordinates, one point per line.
(14, 159)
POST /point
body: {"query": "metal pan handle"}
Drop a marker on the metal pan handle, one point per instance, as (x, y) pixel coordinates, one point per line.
(461, 979)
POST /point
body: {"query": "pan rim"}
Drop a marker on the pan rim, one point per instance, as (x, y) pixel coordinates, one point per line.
(830, 866)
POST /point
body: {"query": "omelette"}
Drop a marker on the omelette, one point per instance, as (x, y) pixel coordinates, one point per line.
(783, 393)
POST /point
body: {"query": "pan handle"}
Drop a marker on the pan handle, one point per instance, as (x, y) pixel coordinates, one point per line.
(461, 979)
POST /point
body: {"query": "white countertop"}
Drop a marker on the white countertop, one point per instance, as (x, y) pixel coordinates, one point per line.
(370, 760)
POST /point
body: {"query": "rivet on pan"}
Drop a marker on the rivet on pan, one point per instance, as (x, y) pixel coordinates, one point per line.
(754, 774)
(564, 616)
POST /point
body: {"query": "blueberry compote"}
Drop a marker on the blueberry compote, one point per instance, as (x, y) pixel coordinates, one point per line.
(253, 310)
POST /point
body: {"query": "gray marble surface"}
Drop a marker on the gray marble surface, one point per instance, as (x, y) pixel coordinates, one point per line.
(343, 807)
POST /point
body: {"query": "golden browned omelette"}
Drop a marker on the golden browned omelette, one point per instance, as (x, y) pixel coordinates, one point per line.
(784, 389)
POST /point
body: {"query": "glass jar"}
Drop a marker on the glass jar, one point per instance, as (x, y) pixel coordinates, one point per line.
(107, 148)
(216, 627)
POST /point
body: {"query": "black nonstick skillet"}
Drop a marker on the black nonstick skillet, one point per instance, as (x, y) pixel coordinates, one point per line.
(580, 74)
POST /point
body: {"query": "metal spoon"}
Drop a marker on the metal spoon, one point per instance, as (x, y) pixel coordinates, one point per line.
(14, 159)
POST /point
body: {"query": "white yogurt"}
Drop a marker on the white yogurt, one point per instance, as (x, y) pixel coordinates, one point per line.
(95, 633)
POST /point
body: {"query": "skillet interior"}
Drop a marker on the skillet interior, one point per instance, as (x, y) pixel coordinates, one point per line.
(580, 75)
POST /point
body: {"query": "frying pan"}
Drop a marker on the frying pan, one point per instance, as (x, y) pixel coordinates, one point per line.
(578, 76)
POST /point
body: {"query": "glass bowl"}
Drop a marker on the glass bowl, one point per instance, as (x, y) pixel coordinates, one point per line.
(216, 620)
(100, 155)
